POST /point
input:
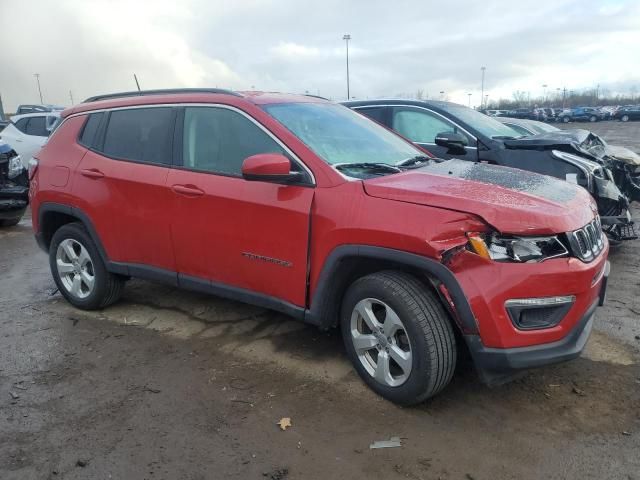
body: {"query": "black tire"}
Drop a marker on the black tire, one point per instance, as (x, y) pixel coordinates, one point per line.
(10, 223)
(108, 286)
(565, 119)
(624, 118)
(428, 327)
(593, 118)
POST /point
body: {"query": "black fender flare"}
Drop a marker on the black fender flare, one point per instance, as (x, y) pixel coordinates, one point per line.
(319, 312)
(75, 212)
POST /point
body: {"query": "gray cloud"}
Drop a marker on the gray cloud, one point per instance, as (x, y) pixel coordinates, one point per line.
(287, 45)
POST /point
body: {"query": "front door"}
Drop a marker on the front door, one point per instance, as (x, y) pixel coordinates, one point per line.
(226, 230)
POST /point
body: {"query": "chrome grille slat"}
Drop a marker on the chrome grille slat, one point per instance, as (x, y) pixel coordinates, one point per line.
(587, 242)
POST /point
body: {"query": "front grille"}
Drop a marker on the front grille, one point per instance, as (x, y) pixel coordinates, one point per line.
(587, 242)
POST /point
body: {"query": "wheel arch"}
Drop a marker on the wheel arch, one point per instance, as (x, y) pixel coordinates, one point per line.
(347, 263)
(52, 216)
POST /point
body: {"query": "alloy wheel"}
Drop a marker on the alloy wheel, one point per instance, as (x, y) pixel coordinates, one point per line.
(381, 342)
(75, 268)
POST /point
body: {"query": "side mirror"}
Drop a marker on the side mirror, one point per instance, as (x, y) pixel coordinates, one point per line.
(455, 142)
(269, 167)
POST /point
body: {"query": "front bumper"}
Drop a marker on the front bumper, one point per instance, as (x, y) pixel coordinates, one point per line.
(12, 208)
(499, 365)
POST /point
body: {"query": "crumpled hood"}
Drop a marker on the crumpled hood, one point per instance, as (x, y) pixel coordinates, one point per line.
(580, 140)
(623, 154)
(549, 139)
(511, 200)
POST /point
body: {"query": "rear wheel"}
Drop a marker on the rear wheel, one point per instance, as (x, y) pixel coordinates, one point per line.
(565, 119)
(625, 118)
(78, 269)
(398, 336)
(593, 118)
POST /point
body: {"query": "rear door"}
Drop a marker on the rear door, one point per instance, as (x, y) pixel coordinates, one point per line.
(250, 235)
(132, 157)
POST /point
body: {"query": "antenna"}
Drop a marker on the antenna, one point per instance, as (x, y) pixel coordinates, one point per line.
(136, 79)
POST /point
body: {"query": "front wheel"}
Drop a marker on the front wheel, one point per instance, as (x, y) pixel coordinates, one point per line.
(625, 118)
(593, 118)
(398, 336)
(79, 271)
(565, 119)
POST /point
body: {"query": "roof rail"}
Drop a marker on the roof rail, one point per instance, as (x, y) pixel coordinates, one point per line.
(315, 96)
(167, 91)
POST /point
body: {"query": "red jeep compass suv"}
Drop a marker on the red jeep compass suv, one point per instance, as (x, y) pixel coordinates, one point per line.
(303, 206)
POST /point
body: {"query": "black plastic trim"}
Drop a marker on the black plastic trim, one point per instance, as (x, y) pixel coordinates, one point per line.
(240, 295)
(80, 215)
(496, 365)
(320, 308)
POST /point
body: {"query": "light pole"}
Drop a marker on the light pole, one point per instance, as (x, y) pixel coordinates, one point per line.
(482, 87)
(37, 75)
(469, 95)
(442, 95)
(346, 38)
(544, 93)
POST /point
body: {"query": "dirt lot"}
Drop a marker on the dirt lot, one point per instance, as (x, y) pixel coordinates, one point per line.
(170, 384)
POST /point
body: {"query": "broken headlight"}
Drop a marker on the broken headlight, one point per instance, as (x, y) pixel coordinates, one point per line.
(516, 249)
(15, 167)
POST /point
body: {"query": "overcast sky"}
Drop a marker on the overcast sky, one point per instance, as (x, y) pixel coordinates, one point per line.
(397, 48)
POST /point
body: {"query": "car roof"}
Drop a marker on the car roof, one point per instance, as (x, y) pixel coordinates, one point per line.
(188, 95)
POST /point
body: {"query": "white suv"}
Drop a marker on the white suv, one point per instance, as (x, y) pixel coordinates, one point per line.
(26, 134)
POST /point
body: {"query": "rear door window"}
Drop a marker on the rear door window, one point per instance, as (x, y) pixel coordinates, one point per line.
(22, 124)
(37, 126)
(375, 113)
(140, 134)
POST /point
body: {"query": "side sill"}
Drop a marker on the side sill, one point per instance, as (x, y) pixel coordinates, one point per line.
(203, 285)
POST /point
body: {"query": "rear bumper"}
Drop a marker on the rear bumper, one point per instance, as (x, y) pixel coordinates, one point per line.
(499, 365)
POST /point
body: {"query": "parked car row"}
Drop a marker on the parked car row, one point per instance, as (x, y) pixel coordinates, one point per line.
(307, 207)
(577, 114)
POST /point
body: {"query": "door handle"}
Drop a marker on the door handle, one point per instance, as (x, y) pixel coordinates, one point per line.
(187, 190)
(92, 173)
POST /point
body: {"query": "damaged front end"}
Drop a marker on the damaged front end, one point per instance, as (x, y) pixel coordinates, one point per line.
(588, 161)
(14, 186)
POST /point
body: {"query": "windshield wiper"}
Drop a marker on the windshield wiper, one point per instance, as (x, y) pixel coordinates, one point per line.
(416, 161)
(505, 137)
(367, 166)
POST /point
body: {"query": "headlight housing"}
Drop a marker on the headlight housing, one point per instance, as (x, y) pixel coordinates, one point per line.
(516, 249)
(15, 167)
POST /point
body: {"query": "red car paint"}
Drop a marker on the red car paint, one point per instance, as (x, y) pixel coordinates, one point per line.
(215, 227)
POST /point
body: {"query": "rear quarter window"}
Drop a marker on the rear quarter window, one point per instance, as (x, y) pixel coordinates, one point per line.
(90, 129)
(140, 134)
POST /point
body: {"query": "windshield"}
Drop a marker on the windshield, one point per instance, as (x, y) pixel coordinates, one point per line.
(339, 135)
(487, 126)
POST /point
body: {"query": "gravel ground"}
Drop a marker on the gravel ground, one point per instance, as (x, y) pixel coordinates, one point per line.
(169, 384)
